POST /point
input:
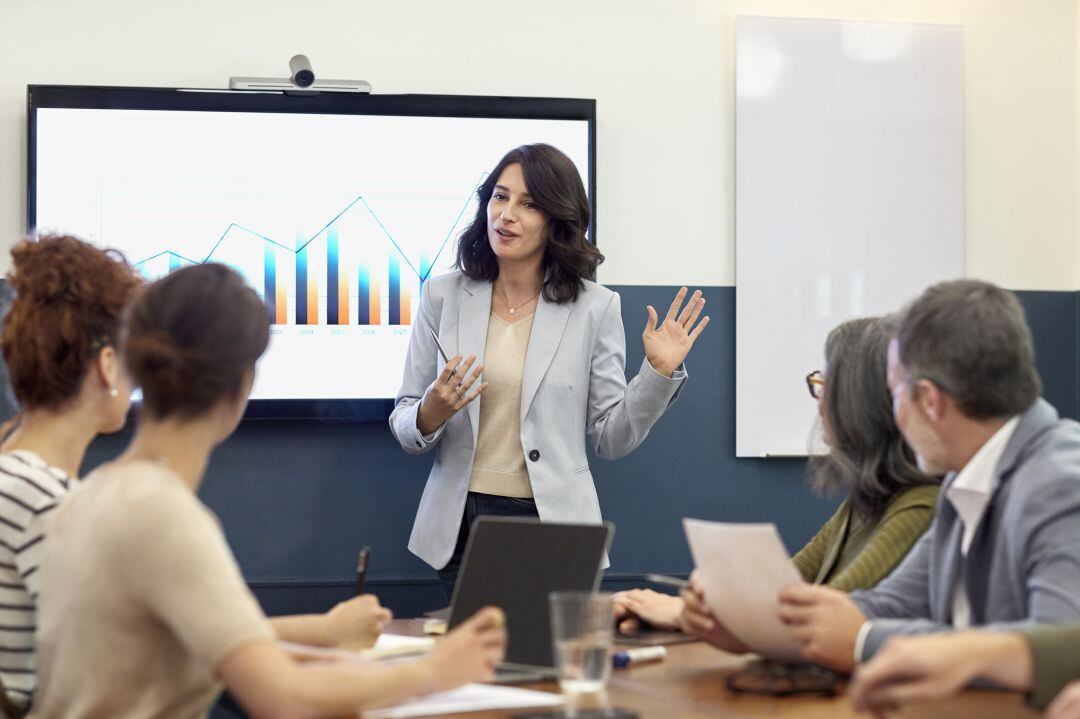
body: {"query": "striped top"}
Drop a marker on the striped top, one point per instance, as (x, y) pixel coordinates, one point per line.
(29, 490)
(850, 553)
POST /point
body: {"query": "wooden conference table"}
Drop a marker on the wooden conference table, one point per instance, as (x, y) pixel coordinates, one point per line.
(689, 684)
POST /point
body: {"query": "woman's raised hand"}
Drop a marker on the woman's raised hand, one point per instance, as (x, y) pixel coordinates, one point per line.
(449, 393)
(666, 346)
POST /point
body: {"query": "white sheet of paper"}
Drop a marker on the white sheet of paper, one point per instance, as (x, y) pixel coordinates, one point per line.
(394, 644)
(386, 646)
(742, 569)
(469, 698)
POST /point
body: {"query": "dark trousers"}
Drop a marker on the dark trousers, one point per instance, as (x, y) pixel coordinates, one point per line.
(477, 505)
(227, 708)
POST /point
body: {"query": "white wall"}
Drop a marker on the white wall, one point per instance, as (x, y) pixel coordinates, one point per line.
(661, 71)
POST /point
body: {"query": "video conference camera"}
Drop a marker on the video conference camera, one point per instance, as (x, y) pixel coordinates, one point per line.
(301, 81)
(302, 74)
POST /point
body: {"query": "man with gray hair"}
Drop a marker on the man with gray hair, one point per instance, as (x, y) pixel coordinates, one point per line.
(1004, 546)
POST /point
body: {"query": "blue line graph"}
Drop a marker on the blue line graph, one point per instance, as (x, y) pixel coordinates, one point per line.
(170, 253)
(422, 273)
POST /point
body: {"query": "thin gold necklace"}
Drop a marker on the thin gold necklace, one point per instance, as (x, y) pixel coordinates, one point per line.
(515, 308)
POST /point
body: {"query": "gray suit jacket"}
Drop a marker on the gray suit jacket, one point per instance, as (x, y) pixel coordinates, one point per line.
(573, 383)
(1023, 564)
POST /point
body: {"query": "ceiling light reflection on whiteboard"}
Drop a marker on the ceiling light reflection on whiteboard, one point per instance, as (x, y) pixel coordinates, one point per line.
(875, 42)
(858, 293)
(759, 75)
(824, 296)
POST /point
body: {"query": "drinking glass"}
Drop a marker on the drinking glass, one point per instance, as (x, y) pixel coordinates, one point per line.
(582, 628)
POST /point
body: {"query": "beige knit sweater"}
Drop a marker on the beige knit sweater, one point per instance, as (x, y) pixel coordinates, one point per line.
(499, 463)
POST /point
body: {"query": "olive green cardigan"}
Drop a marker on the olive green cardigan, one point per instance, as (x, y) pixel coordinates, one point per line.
(850, 553)
(1057, 659)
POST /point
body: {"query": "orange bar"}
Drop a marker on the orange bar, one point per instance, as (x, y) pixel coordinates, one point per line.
(312, 295)
(343, 296)
(375, 309)
(280, 308)
(406, 314)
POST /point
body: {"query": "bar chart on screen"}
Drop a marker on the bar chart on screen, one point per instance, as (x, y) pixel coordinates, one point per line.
(357, 266)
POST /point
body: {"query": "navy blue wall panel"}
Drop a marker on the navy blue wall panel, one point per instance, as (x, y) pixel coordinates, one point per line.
(1054, 318)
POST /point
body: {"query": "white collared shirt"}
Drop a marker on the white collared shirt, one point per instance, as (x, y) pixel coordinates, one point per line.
(969, 495)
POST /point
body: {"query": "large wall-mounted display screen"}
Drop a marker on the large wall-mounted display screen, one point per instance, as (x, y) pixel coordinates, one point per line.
(335, 208)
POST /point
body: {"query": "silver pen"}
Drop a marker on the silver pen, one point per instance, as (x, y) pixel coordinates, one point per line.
(669, 581)
(439, 345)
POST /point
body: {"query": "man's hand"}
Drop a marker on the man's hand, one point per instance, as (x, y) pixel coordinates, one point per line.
(932, 666)
(825, 622)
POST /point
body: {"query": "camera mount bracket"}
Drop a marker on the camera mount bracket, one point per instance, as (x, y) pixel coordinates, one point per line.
(302, 81)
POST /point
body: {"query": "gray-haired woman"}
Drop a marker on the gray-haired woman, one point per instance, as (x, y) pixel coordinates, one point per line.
(890, 501)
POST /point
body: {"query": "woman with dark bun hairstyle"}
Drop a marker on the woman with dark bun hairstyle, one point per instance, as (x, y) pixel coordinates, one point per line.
(551, 367)
(60, 341)
(162, 617)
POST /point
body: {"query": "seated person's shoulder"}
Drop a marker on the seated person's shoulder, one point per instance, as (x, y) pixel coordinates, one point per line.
(1063, 435)
(1046, 477)
(1053, 455)
(29, 483)
(919, 499)
(151, 496)
(922, 495)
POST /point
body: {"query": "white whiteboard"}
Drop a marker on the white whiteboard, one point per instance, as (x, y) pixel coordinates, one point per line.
(849, 197)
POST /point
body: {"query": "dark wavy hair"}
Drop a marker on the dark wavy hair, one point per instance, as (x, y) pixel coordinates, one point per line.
(867, 455)
(556, 188)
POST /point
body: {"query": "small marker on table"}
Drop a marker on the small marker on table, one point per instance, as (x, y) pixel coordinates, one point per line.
(635, 656)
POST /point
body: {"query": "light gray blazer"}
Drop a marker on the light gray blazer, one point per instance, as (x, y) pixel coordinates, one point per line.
(573, 383)
(1023, 565)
